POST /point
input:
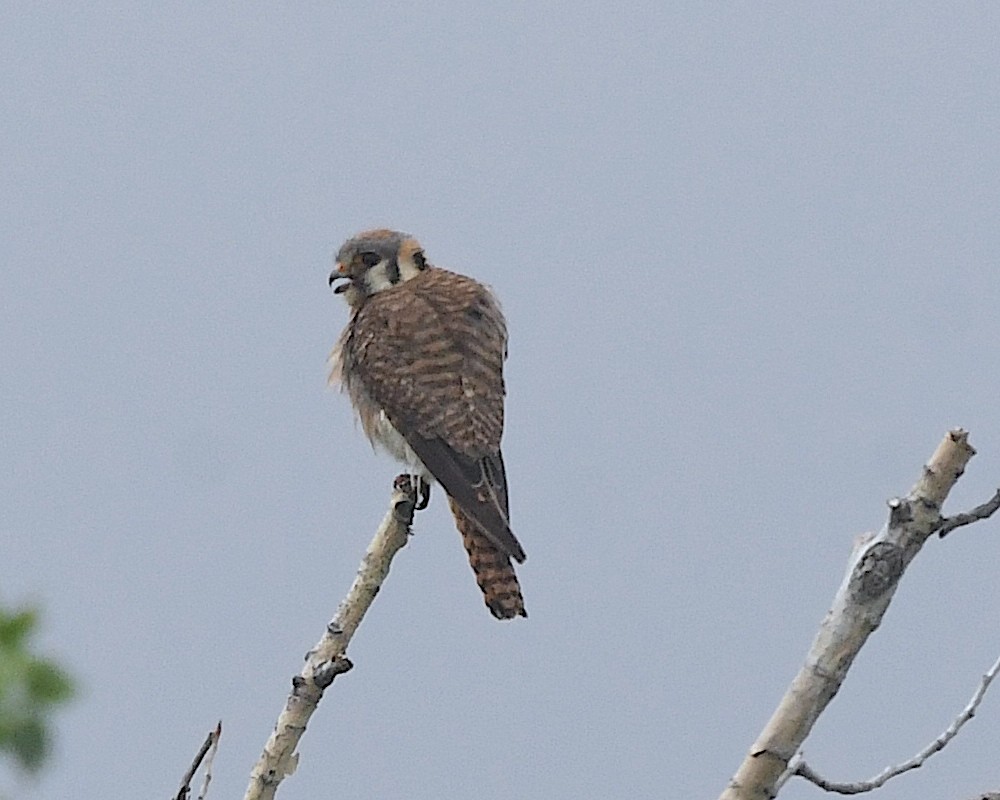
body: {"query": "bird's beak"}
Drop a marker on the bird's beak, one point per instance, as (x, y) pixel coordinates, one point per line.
(339, 274)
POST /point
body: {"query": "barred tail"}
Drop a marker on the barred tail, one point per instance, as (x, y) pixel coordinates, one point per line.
(493, 569)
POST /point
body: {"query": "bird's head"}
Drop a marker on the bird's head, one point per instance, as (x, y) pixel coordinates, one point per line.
(374, 261)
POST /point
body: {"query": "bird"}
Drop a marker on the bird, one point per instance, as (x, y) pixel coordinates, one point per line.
(421, 359)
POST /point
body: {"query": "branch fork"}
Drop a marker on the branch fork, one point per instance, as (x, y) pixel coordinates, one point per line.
(874, 572)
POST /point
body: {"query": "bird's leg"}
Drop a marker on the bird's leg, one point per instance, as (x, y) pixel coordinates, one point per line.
(423, 491)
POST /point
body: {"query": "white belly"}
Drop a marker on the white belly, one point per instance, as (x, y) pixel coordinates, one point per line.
(392, 441)
(380, 432)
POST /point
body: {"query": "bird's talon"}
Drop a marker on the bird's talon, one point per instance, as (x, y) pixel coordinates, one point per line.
(423, 491)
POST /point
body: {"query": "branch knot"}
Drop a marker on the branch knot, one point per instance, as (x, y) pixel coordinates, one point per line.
(877, 571)
(324, 674)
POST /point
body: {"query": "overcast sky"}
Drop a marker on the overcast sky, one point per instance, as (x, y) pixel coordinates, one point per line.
(748, 255)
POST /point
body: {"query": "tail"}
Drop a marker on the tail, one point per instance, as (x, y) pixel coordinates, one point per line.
(494, 573)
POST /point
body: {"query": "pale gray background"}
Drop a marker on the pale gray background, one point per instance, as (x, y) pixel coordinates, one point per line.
(749, 257)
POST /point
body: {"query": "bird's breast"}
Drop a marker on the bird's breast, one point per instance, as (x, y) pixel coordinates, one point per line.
(383, 434)
(392, 441)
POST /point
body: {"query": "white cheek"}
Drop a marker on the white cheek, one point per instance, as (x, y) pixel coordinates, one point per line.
(376, 279)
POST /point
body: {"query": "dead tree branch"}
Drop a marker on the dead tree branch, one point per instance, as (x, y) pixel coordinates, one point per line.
(948, 524)
(211, 743)
(872, 576)
(328, 658)
(209, 761)
(967, 713)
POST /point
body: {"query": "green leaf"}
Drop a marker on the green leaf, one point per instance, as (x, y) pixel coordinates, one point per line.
(15, 627)
(31, 687)
(47, 683)
(30, 744)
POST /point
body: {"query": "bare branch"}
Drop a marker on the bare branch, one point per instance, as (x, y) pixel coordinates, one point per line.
(948, 524)
(211, 742)
(873, 574)
(967, 713)
(328, 658)
(210, 760)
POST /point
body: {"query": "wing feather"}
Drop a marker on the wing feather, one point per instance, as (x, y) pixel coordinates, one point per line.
(475, 487)
(430, 354)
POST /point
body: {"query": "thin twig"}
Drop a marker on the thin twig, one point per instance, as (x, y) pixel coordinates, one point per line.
(210, 740)
(803, 769)
(948, 524)
(209, 760)
(790, 771)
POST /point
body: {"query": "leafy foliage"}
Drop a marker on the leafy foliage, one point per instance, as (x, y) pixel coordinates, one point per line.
(30, 689)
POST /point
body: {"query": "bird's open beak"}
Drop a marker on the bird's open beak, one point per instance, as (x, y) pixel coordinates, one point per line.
(339, 274)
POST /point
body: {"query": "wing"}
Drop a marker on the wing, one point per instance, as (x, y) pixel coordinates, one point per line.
(430, 353)
(478, 486)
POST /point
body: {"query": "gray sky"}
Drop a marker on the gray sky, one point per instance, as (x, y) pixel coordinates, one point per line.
(748, 255)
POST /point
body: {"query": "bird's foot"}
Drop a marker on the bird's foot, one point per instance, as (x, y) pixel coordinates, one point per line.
(420, 489)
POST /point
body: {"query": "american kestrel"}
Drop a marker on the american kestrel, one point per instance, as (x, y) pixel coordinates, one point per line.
(422, 361)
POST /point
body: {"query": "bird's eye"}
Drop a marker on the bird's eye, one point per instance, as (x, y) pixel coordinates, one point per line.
(420, 260)
(370, 259)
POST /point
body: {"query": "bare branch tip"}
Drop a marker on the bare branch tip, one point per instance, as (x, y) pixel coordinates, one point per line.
(212, 739)
(960, 436)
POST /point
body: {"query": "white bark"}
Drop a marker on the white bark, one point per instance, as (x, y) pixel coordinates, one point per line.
(328, 658)
(862, 599)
